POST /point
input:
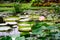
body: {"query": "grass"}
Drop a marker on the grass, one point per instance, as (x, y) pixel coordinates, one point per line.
(6, 8)
(7, 5)
(23, 6)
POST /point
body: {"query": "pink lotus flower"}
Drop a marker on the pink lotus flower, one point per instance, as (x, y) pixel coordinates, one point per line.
(41, 18)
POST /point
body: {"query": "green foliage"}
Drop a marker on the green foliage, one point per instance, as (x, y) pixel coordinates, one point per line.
(25, 6)
(38, 25)
(2, 9)
(20, 38)
(43, 29)
(5, 38)
(7, 5)
(38, 1)
(57, 9)
(16, 6)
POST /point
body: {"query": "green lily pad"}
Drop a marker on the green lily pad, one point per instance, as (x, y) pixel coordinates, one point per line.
(20, 38)
(5, 38)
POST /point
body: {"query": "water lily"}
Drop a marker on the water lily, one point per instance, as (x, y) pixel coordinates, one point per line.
(41, 18)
